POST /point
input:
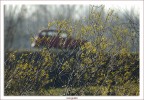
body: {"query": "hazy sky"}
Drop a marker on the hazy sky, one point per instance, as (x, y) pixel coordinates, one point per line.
(120, 5)
(116, 4)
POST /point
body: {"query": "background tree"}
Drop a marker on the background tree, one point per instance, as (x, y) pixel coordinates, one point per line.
(13, 19)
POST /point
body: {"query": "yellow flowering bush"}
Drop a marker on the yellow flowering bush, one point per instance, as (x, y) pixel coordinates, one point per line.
(29, 74)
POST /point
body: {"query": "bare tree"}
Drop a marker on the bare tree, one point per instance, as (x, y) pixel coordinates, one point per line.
(13, 18)
(132, 22)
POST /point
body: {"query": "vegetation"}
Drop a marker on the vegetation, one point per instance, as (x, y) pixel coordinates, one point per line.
(105, 65)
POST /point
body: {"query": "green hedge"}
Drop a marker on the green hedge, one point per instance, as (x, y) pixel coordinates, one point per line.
(35, 70)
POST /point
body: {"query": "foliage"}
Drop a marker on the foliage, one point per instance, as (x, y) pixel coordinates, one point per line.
(27, 74)
(34, 75)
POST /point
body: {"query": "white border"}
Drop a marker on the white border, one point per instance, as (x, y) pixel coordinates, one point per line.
(141, 51)
(140, 3)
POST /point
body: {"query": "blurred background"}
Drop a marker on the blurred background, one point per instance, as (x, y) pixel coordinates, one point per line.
(21, 22)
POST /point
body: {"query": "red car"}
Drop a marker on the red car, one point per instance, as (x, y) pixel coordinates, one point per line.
(56, 39)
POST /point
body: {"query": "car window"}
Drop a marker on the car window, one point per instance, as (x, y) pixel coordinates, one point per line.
(43, 33)
(63, 35)
(52, 33)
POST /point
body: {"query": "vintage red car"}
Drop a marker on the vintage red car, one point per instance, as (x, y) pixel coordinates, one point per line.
(56, 39)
